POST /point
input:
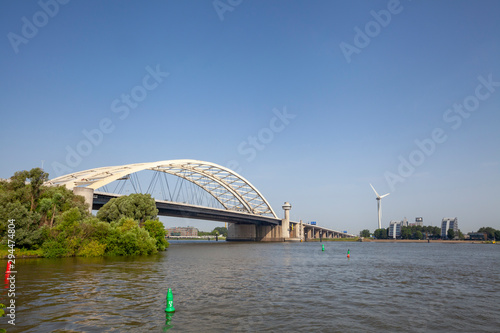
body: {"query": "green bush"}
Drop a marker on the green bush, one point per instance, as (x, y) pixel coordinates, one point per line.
(92, 249)
(139, 207)
(156, 230)
(125, 237)
(54, 249)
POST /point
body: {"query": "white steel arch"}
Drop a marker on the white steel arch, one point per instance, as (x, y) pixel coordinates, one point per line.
(232, 190)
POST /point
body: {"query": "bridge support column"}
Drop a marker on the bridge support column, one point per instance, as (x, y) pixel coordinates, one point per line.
(252, 233)
(301, 231)
(310, 234)
(316, 233)
(87, 194)
(241, 232)
(268, 233)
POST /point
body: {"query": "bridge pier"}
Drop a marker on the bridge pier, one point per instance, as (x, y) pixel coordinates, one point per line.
(254, 233)
(316, 233)
(87, 194)
(266, 232)
(307, 234)
(301, 235)
(241, 232)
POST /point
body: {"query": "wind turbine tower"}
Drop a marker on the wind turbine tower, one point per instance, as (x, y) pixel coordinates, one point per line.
(379, 205)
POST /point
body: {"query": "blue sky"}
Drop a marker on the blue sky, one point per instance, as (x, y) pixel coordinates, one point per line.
(357, 102)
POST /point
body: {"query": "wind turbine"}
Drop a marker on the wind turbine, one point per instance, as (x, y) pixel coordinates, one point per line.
(379, 205)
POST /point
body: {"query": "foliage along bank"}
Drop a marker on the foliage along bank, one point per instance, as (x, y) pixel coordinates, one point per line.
(55, 222)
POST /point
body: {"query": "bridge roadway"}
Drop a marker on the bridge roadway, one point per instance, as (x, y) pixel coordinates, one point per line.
(174, 209)
(298, 230)
(315, 232)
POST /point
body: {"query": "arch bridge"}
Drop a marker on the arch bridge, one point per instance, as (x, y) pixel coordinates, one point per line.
(249, 214)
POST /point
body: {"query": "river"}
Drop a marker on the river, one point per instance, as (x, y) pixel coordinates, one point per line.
(274, 287)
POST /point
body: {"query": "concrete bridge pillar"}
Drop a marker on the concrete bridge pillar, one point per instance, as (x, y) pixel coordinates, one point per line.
(297, 231)
(268, 233)
(87, 194)
(241, 232)
(252, 233)
(301, 230)
(285, 223)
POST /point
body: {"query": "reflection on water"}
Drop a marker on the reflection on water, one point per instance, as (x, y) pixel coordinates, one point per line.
(240, 287)
(168, 321)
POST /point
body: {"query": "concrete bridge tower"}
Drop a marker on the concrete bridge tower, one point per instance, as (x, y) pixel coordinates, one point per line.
(285, 223)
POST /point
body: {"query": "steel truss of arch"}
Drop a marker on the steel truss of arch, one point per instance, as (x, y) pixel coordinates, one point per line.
(229, 188)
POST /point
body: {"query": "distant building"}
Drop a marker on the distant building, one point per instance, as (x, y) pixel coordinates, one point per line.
(419, 221)
(182, 231)
(448, 223)
(395, 228)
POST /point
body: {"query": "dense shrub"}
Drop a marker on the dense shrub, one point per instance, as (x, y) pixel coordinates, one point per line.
(54, 249)
(127, 238)
(56, 221)
(139, 207)
(92, 249)
(156, 230)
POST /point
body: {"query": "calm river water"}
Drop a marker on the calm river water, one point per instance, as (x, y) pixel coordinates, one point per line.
(256, 287)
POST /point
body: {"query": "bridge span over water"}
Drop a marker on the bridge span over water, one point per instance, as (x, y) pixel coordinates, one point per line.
(239, 203)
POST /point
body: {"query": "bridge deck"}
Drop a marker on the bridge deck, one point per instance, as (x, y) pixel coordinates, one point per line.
(174, 209)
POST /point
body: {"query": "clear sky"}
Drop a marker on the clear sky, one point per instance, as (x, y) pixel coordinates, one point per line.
(313, 101)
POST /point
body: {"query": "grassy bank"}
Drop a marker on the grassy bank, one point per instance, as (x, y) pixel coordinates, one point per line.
(20, 253)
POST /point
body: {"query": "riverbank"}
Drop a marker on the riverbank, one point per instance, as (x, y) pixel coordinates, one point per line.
(202, 238)
(356, 239)
(20, 253)
(425, 241)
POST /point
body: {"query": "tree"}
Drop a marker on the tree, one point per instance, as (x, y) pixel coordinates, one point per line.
(451, 234)
(365, 233)
(436, 232)
(380, 233)
(28, 234)
(488, 230)
(419, 235)
(55, 200)
(156, 230)
(125, 237)
(139, 207)
(36, 177)
(406, 233)
(220, 231)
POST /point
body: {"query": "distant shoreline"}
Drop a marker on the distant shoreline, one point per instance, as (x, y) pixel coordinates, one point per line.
(426, 241)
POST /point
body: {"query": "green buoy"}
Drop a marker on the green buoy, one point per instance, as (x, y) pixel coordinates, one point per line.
(322, 247)
(170, 301)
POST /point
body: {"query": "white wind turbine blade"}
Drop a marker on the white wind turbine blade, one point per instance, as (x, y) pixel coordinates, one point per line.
(384, 195)
(378, 196)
